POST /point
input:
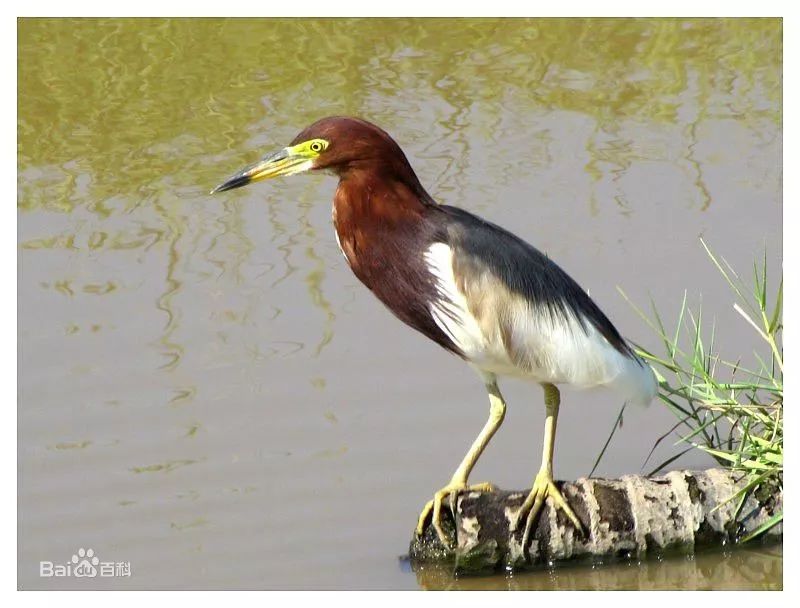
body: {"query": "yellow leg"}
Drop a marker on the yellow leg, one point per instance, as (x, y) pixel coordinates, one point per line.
(458, 483)
(543, 485)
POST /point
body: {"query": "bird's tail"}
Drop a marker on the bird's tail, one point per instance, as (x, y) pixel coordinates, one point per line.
(636, 381)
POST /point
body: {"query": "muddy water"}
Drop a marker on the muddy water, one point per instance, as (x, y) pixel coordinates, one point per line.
(755, 568)
(209, 395)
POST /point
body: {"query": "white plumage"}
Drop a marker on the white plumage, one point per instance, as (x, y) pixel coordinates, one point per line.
(520, 339)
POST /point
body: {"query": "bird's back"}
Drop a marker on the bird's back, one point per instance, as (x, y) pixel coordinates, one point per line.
(483, 248)
(511, 310)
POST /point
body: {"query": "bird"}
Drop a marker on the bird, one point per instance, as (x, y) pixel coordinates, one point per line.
(477, 290)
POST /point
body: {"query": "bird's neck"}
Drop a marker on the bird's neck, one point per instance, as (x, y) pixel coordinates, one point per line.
(369, 192)
(393, 171)
(373, 212)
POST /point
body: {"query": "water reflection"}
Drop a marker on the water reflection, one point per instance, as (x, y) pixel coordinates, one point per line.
(111, 114)
(753, 569)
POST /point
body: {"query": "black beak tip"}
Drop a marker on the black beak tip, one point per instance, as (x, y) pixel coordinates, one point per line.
(235, 182)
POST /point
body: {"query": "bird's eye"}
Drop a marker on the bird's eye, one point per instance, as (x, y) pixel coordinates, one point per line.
(316, 146)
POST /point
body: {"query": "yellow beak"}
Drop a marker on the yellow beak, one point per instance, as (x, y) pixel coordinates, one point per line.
(284, 162)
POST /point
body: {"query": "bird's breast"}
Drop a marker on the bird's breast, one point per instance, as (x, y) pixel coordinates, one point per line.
(341, 241)
(378, 229)
(387, 254)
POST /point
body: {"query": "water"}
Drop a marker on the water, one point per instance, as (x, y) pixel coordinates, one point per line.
(208, 393)
(742, 569)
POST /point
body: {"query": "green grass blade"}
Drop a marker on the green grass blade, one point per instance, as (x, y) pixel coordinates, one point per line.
(776, 314)
(613, 430)
(767, 525)
(668, 462)
(737, 420)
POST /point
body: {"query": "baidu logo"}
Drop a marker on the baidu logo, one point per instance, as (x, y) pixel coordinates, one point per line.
(84, 564)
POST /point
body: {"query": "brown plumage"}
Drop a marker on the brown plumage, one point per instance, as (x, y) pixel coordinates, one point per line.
(474, 288)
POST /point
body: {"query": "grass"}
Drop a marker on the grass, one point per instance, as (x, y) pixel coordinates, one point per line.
(732, 413)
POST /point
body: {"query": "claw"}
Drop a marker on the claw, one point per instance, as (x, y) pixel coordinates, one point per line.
(452, 490)
(543, 486)
(453, 502)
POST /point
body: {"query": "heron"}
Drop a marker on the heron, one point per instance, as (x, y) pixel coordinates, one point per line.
(477, 290)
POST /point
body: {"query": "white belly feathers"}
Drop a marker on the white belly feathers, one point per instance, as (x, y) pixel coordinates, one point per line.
(504, 333)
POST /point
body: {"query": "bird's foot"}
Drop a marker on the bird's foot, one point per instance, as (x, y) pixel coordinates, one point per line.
(543, 487)
(452, 490)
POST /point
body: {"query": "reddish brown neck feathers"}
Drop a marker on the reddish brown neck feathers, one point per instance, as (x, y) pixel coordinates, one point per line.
(367, 207)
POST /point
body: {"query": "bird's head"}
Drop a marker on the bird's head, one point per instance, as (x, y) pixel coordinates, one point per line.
(336, 143)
